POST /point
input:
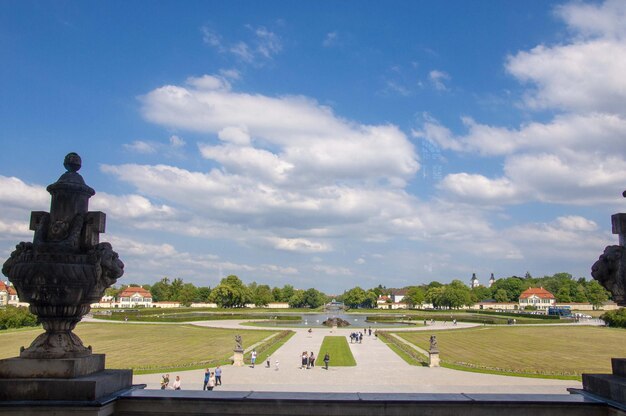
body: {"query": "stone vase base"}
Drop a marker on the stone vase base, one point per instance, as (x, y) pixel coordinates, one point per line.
(238, 358)
(51, 368)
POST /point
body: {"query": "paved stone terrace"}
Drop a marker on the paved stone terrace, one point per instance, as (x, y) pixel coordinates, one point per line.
(378, 369)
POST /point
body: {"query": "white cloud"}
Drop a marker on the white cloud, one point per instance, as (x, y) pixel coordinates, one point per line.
(176, 141)
(300, 245)
(15, 193)
(438, 79)
(309, 136)
(333, 271)
(603, 20)
(235, 135)
(262, 46)
(140, 146)
(330, 39)
(129, 207)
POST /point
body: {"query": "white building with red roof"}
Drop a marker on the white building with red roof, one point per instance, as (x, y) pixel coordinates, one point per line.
(134, 296)
(8, 295)
(537, 297)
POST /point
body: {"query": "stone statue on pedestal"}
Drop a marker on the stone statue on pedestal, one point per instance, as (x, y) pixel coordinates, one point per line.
(60, 274)
(610, 272)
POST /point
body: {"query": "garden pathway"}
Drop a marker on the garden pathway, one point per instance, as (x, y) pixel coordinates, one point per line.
(378, 369)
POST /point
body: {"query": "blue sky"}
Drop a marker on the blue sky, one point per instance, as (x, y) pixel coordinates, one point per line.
(324, 144)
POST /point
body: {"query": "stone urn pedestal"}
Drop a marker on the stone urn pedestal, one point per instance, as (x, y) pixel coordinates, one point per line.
(60, 274)
(610, 272)
(433, 359)
(238, 358)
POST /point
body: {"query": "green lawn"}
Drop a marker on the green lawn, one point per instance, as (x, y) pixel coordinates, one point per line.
(543, 350)
(338, 349)
(148, 347)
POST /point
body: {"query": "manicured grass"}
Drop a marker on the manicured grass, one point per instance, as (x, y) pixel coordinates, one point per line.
(338, 349)
(555, 351)
(149, 347)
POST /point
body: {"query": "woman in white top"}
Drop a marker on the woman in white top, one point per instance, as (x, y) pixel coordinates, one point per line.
(176, 384)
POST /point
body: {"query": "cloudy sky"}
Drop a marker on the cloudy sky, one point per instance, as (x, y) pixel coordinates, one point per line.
(322, 144)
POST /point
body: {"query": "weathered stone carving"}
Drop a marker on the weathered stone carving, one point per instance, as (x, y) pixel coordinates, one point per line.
(238, 343)
(610, 269)
(610, 272)
(65, 268)
(434, 348)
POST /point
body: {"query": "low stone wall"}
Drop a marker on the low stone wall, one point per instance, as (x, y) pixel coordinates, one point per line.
(170, 402)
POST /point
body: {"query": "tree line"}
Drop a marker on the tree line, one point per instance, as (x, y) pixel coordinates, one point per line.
(231, 292)
(457, 294)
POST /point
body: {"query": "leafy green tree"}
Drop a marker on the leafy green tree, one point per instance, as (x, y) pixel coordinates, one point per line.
(175, 288)
(277, 294)
(501, 296)
(313, 298)
(354, 298)
(203, 294)
(370, 299)
(434, 296)
(187, 294)
(262, 295)
(161, 290)
(514, 286)
(481, 293)
(596, 294)
(563, 295)
(414, 296)
(287, 292)
(231, 293)
(456, 295)
(297, 299)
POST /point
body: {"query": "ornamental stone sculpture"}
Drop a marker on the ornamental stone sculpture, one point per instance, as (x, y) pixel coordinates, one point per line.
(65, 268)
(610, 269)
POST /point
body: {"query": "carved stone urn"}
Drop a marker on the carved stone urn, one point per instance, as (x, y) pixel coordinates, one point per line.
(65, 268)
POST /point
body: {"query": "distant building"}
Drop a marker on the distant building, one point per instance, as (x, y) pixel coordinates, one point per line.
(8, 295)
(4, 294)
(397, 295)
(133, 296)
(386, 302)
(537, 297)
(474, 281)
(492, 280)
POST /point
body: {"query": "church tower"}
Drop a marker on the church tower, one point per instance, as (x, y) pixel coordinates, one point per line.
(492, 280)
(474, 282)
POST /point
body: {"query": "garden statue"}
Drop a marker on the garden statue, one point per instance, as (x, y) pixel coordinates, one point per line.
(65, 269)
(238, 343)
(610, 269)
(434, 348)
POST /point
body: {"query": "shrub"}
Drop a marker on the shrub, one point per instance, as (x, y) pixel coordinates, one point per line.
(16, 317)
(616, 318)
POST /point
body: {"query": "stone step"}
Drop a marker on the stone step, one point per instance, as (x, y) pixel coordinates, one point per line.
(619, 366)
(606, 385)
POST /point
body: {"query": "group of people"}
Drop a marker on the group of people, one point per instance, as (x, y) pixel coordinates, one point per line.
(212, 378)
(356, 337)
(165, 383)
(308, 361)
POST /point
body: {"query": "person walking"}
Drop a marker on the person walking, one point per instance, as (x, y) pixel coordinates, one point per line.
(218, 376)
(326, 360)
(207, 374)
(253, 357)
(312, 359)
